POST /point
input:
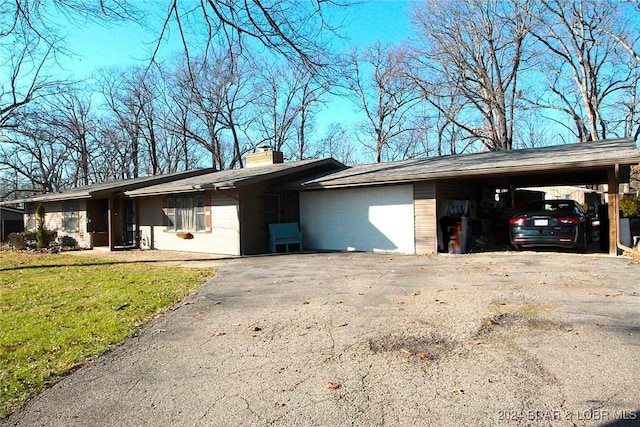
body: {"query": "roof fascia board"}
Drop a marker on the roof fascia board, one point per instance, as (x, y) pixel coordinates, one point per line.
(14, 210)
(174, 190)
(236, 184)
(283, 172)
(153, 180)
(459, 174)
(118, 188)
(57, 197)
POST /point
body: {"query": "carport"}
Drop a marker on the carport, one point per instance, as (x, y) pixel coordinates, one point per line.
(376, 207)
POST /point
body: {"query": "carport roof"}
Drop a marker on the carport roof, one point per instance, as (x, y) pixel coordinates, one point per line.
(236, 178)
(578, 157)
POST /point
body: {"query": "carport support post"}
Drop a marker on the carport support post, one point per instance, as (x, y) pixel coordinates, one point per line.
(612, 200)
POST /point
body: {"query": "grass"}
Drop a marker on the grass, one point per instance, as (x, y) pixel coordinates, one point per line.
(57, 312)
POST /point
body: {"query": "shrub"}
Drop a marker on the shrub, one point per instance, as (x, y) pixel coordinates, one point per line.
(630, 207)
(67, 242)
(44, 237)
(21, 240)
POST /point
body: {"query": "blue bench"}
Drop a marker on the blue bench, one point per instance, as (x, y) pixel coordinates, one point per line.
(286, 233)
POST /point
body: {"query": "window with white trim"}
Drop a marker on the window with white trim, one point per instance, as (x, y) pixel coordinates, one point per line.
(70, 220)
(31, 217)
(186, 213)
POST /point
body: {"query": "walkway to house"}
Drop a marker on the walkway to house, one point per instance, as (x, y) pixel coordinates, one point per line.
(529, 338)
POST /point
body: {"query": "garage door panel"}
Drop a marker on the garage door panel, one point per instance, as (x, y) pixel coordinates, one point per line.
(367, 219)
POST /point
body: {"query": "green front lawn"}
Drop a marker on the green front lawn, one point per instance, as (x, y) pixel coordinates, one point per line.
(59, 311)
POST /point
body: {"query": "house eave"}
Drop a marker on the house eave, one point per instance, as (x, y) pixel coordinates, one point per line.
(480, 173)
(180, 190)
(224, 184)
(46, 198)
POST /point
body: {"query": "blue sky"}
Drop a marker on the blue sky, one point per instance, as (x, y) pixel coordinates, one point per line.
(98, 46)
(384, 20)
(120, 46)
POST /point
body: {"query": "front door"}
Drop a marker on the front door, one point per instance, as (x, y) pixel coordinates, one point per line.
(127, 223)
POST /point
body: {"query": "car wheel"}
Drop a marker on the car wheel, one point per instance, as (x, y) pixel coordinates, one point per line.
(517, 247)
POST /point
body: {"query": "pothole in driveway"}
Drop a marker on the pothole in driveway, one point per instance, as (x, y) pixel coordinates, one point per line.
(423, 347)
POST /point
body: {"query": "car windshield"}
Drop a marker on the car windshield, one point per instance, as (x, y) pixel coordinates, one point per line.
(550, 206)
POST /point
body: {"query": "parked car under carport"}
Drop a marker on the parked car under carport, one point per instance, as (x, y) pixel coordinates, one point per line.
(559, 223)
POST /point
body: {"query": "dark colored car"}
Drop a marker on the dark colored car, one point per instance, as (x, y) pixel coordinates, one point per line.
(560, 223)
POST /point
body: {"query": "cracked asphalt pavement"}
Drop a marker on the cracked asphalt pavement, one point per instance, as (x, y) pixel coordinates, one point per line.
(531, 338)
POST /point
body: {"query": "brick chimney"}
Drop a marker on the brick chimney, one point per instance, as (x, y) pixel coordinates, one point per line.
(264, 156)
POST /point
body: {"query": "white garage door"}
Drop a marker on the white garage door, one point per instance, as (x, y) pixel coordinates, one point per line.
(364, 219)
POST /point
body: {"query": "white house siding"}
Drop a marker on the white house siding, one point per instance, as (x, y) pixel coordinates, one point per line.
(54, 220)
(222, 238)
(225, 225)
(379, 219)
(152, 224)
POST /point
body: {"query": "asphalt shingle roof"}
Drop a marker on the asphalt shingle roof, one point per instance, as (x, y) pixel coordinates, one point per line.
(553, 158)
(110, 187)
(234, 178)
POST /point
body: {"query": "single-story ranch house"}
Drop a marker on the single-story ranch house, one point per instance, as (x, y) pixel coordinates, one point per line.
(405, 207)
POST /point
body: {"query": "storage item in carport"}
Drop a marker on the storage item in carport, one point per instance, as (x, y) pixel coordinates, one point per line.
(456, 234)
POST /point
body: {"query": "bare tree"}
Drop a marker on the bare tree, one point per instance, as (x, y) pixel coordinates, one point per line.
(380, 88)
(177, 121)
(70, 116)
(26, 58)
(474, 49)
(182, 118)
(631, 106)
(337, 143)
(590, 62)
(297, 30)
(145, 90)
(178, 116)
(442, 122)
(217, 90)
(287, 100)
(311, 94)
(30, 42)
(124, 118)
(36, 153)
(112, 160)
(278, 90)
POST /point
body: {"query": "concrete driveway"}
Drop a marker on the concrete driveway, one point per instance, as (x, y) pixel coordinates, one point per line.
(529, 338)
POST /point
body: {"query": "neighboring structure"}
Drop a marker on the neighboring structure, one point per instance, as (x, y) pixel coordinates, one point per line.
(417, 206)
(11, 221)
(581, 195)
